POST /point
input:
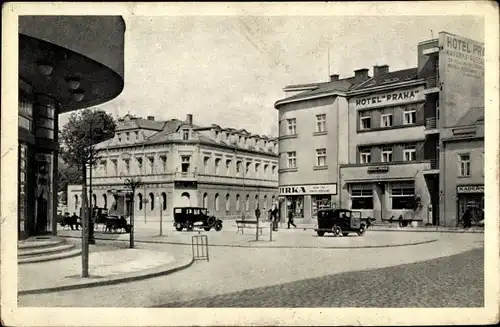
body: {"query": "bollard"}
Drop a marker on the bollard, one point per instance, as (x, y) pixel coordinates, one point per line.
(271, 232)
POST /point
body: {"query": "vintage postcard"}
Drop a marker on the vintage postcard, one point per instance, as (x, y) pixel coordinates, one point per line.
(218, 164)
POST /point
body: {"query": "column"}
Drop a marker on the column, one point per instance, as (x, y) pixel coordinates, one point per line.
(378, 202)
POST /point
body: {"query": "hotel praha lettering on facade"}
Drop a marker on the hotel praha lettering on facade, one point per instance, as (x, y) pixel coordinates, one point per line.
(390, 98)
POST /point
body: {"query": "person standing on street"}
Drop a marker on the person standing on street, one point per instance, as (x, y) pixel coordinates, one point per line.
(290, 219)
(257, 213)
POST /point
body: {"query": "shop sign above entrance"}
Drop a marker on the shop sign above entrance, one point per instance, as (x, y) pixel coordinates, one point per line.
(470, 189)
(378, 169)
(308, 189)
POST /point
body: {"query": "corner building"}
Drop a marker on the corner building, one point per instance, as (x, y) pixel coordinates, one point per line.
(66, 63)
(228, 171)
(313, 143)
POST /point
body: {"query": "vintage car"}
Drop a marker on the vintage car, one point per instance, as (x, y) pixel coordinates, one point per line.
(340, 221)
(191, 217)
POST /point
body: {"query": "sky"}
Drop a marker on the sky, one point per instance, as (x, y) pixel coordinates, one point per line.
(230, 70)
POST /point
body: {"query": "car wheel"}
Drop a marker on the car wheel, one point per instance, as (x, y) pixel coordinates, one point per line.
(207, 229)
(320, 233)
(361, 230)
(218, 225)
(178, 227)
(189, 225)
(337, 230)
(345, 234)
(210, 221)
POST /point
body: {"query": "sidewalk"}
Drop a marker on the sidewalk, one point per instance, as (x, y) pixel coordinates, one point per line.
(107, 265)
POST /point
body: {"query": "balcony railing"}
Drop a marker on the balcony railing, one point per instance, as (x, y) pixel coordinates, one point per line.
(432, 82)
(431, 123)
(434, 164)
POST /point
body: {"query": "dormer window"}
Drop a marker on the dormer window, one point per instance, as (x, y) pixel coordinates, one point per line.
(217, 135)
(119, 135)
(185, 134)
(136, 135)
(128, 136)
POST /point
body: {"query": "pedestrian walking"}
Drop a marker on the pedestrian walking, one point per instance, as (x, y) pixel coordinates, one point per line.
(467, 217)
(290, 219)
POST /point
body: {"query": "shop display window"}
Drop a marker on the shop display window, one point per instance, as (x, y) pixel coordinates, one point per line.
(403, 196)
(362, 196)
(296, 204)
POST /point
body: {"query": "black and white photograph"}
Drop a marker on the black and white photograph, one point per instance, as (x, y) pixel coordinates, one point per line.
(249, 163)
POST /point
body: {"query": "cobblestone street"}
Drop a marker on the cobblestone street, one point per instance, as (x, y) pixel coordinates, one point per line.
(455, 281)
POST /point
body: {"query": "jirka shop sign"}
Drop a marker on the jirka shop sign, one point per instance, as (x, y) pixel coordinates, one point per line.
(308, 189)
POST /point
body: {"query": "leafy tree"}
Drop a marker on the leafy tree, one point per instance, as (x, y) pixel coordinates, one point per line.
(66, 174)
(78, 137)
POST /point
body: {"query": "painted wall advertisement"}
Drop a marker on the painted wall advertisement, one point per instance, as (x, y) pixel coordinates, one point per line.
(461, 73)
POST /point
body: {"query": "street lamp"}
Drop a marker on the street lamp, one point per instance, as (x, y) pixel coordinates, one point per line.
(132, 184)
(159, 198)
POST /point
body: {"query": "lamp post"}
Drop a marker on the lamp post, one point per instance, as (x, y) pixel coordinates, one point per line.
(132, 184)
(161, 213)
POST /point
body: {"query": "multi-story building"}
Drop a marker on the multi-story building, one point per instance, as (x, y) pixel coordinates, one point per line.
(404, 143)
(313, 142)
(226, 170)
(384, 176)
(61, 69)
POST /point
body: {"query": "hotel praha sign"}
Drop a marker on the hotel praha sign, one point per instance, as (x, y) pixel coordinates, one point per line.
(389, 98)
(470, 189)
(308, 189)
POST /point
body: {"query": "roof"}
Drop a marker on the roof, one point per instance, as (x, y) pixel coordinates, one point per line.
(341, 85)
(472, 116)
(132, 122)
(171, 126)
(398, 76)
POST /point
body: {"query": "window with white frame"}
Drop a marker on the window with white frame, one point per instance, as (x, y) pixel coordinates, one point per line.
(238, 167)
(410, 152)
(185, 163)
(151, 165)
(114, 164)
(266, 168)
(257, 167)
(247, 203)
(464, 165)
(292, 126)
(228, 166)
(216, 204)
(264, 204)
(247, 169)
(409, 115)
(274, 170)
(386, 120)
(217, 165)
(228, 202)
(163, 160)
(238, 208)
(139, 165)
(185, 134)
(321, 123)
(365, 120)
(365, 155)
(127, 135)
(321, 157)
(206, 160)
(362, 196)
(386, 153)
(402, 195)
(126, 166)
(292, 159)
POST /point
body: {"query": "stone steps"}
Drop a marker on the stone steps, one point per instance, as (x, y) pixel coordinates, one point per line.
(45, 249)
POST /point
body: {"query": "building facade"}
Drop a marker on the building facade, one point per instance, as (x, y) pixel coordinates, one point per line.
(228, 171)
(65, 63)
(313, 143)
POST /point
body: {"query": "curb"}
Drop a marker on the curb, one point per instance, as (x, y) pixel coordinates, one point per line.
(129, 277)
(273, 247)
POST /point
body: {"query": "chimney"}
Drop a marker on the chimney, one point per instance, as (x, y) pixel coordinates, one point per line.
(380, 70)
(151, 118)
(189, 119)
(334, 77)
(361, 74)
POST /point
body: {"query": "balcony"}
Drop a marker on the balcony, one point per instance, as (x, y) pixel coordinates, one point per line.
(185, 176)
(431, 126)
(432, 85)
(434, 167)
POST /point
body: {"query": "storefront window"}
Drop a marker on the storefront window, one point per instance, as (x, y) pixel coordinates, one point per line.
(319, 202)
(472, 201)
(403, 196)
(296, 204)
(23, 149)
(362, 196)
(43, 204)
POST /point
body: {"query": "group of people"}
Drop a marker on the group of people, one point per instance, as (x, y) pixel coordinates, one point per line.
(273, 215)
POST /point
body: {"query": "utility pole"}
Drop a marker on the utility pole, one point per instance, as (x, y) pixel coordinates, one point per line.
(132, 184)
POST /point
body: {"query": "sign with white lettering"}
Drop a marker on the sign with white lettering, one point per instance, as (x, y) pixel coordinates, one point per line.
(389, 98)
(461, 76)
(378, 169)
(308, 189)
(470, 189)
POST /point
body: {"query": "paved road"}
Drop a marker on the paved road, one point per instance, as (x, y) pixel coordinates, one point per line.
(239, 269)
(455, 281)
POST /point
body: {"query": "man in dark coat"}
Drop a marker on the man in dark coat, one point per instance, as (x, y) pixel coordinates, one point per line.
(290, 219)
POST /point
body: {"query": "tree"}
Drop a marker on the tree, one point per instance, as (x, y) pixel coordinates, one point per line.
(78, 137)
(66, 174)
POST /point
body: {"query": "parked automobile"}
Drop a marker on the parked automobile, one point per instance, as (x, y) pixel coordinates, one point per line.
(191, 217)
(340, 221)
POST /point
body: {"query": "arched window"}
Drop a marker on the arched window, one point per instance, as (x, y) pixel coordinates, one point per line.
(152, 201)
(228, 202)
(164, 201)
(264, 205)
(256, 201)
(247, 203)
(76, 202)
(94, 200)
(104, 201)
(186, 199)
(205, 200)
(139, 199)
(217, 202)
(238, 208)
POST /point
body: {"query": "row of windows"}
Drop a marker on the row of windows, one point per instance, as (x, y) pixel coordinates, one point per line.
(386, 116)
(232, 138)
(320, 158)
(227, 206)
(238, 167)
(386, 153)
(319, 128)
(402, 196)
